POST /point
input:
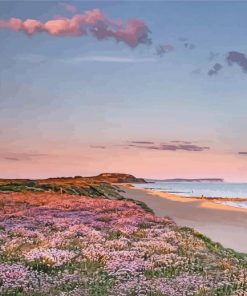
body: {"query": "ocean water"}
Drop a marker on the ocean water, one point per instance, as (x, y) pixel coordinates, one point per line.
(207, 189)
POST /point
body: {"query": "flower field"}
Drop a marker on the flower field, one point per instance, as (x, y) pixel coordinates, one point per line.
(70, 245)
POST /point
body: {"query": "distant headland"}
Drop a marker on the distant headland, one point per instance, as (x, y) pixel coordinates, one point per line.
(189, 180)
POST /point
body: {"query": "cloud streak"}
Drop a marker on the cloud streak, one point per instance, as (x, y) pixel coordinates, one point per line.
(31, 58)
(181, 142)
(168, 146)
(97, 147)
(92, 22)
(111, 59)
(197, 71)
(14, 156)
(141, 142)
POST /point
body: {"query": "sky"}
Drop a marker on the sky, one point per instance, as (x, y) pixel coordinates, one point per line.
(156, 89)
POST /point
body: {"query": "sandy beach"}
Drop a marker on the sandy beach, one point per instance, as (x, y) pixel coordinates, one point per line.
(224, 224)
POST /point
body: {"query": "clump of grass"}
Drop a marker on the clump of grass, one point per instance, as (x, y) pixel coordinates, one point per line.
(114, 235)
(102, 285)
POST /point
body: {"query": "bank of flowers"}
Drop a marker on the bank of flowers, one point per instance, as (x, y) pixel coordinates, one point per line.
(57, 244)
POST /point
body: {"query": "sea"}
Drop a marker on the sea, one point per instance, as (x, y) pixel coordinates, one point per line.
(206, 189)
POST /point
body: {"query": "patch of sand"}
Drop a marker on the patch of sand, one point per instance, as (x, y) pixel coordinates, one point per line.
(224, 224)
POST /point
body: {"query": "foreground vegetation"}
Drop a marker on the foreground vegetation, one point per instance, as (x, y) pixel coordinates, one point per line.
(63, 244)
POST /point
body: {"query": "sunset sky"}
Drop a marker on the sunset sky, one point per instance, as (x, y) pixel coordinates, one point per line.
(155, 89)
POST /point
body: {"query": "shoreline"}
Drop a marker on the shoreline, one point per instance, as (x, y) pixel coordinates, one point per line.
(202, 198)
(222, 223)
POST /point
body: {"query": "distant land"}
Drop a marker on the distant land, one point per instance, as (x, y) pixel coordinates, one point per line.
(188, 180)
(104, 177)
(107, 177)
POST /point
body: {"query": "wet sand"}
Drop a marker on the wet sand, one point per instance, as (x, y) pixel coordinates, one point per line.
(224, 224)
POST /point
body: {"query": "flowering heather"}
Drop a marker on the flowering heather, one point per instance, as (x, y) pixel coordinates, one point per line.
(50, 256)
(69, 245)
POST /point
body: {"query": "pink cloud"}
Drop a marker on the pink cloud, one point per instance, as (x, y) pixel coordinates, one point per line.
(92, 22)
(135, 32)
(31, 26)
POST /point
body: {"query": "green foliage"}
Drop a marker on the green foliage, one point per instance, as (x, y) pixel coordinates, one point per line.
(13, 292)
(167, 272)
(114, 235)
(40, 266)
(212, 246)
(102, 285)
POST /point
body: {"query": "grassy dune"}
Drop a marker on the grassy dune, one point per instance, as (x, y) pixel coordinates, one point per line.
(56, 241)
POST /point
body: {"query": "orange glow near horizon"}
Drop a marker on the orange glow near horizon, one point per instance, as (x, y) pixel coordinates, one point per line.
(141, 163)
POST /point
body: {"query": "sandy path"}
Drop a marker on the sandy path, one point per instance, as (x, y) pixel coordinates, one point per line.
(224, 224)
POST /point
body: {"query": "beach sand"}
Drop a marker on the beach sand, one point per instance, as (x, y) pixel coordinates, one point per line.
(224, 224)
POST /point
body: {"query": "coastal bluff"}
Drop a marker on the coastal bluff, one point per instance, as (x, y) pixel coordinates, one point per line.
(119, 178)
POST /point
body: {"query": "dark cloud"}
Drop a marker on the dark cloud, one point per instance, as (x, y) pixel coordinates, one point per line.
(215, 69)
(242, 153)
(12, 158)
(184, 147)
(163, 49)
(170, 146)
(189, 45)
(235, 57)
